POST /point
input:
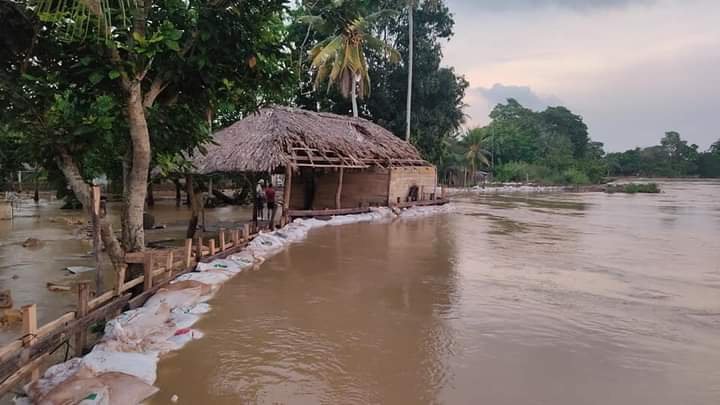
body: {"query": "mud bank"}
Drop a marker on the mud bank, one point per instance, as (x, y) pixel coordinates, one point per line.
(122, 366)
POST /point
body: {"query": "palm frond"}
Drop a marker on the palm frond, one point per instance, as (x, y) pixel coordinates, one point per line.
(380, 46)
(327, 51)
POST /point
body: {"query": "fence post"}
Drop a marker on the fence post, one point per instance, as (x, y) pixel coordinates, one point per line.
(147, 270)
(222, 239)
(246, 232)
(212, 247)
(170, 262)
(29, 318)
(234, 233)
(82, 310)
(188, 253)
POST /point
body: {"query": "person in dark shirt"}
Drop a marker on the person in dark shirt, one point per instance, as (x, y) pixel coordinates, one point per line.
(271, 205)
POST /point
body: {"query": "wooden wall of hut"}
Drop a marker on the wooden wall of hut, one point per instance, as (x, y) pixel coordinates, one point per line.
(360, 187)
(402, 178)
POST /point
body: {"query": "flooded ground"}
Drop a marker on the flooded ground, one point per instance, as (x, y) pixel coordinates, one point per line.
(26, 271)
(521, 299)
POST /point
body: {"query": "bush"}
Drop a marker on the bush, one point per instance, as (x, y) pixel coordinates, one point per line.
(633, 188)
(575, 177)
(522, 172)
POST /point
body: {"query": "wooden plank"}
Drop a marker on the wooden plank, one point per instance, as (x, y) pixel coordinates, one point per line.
(29, 318)
(57, 323)
(170, 262)
(15, 360)
(213, 251)
(135, 257)
(82, 310)
(199, 247)
(246, 232)
(132, 283)
(9, 348)
(97, 301)
(221, 238)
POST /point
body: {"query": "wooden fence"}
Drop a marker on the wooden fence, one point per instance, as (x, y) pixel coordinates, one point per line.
(24, 357)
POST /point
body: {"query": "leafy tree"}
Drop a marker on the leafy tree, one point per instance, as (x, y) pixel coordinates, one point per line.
(475, 155)
(99, 85)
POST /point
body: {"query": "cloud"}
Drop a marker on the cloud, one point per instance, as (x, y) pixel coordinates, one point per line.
(480, 100)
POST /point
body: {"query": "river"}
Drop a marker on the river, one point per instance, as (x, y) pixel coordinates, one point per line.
(512, 299)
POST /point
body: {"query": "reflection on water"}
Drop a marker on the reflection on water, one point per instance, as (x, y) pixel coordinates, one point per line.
(553, 299)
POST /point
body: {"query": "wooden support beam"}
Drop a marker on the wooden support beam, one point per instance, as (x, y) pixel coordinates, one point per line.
(30, 327)
(20, 374)
(246, 232)
(235, 237)
(100, 300)
(82, 310)
(338, 193)
(221, 238)
(287, 191)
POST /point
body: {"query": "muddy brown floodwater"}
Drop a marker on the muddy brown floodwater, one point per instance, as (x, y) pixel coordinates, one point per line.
(516, 299)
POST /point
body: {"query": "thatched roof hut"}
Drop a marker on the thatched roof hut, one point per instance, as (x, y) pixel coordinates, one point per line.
(278, 137)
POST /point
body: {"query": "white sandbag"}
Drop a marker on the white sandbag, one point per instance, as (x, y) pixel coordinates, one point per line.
(140, 365)
(207, 277)
(52, 377)
(173, 299)
(243, 259)
(219, 264)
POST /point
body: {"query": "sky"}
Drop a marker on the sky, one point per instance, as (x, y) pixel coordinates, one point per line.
(633, 69)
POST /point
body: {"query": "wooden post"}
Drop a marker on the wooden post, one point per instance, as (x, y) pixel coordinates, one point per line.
(188, 253)
(95, 197)
(339, 189)
(212, 247)
(120, 280)
(29, 318)
(147, 270)
(246, 232)
(286, 191)
(235, 237)
(82, 310)
(222, 239)
(169, 263)
(199, 247)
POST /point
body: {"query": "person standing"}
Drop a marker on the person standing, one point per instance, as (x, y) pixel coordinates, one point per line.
(271, 205)
(260, 199)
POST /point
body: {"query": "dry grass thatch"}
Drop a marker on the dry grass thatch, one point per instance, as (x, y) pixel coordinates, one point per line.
(280, 136)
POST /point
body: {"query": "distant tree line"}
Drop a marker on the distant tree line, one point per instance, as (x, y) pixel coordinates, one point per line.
(553, 147)
(673, 157)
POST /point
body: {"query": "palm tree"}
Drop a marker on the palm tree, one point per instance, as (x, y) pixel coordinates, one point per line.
(340, 57)
(475, 153)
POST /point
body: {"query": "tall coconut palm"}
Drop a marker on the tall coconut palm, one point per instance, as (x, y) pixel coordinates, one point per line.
(340, 58)
(475, 153)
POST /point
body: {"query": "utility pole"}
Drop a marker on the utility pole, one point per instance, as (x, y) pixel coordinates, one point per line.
(411, 7)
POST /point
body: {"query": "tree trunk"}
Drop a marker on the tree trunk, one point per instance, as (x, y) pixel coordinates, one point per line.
(353, 94)
(150, 195)
(178, 194)
(138, 175)
(411, 7)
(82, 191)
(194, 207)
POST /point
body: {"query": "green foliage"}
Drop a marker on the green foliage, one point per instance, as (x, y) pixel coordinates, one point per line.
(673, 157)
(633, 188)
(548, 147)
(438, 91)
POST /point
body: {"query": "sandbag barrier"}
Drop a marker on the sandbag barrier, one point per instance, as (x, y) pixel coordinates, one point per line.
(121, 368)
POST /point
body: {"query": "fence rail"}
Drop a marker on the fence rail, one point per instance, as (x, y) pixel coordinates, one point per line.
(23, 358)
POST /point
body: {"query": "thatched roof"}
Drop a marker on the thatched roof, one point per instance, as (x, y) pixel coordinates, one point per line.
(281, 136)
